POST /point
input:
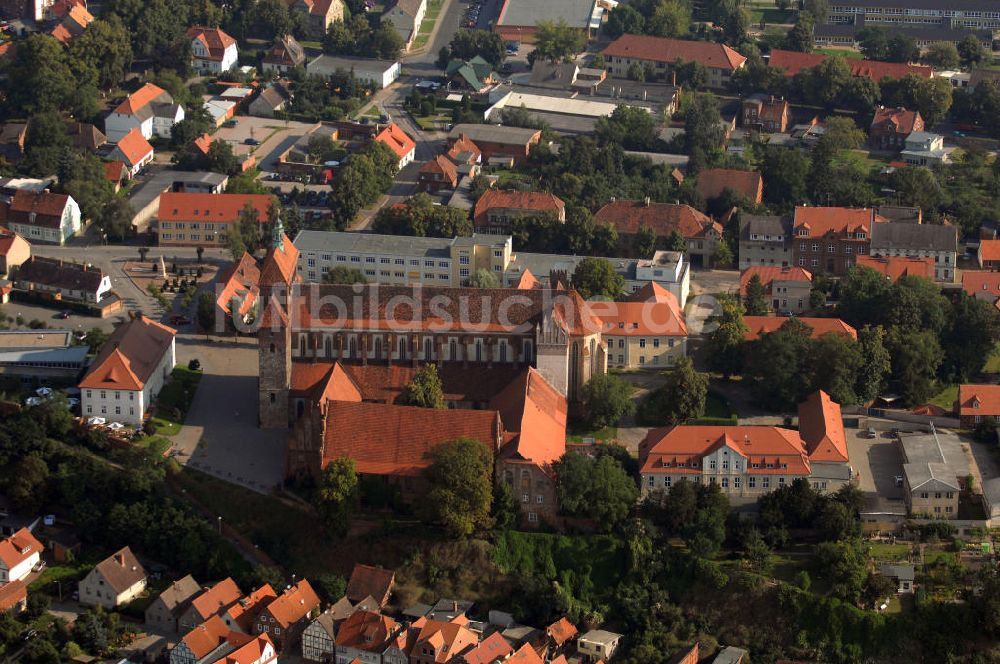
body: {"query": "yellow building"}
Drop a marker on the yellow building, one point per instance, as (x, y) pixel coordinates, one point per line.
(647, 331)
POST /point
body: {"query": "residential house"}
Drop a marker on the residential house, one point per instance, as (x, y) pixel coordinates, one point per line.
(645, 331)
(250, 650)
(195, 219)
(749, 461)
(61, 280)
(271, 100)
(792, 62)
(19, 553)
(491, 650)
(284, 55)
(116, 580)
(560, 633)
(765, 240)
(437, 174)
(164, 612)
(923, 148)
(406, 16)
(662, 54)
(476, 74)
(786, 289)
(214, 601)
(892, 126)
(894, 267)
(243, 614)
(584, 80)
(988, 254)
(976, 402)
(115, 172)
(982, 286)
(12, 137)
(14, 250)
(205, 642)
(318, 644)
(399, 142)
(134, 151)
(238, 297)
(151, 109)
(85, 136)
(379, 74)
(212, 50)
(72, 24)
(284, 618)
(13, 597)
(629, 216)
(765, 114)
(364, 636)
(368, 581)
(713, 182)
(902, 574)
(497, 209)
(758, 325)
(321, 13)
(125, 378)
(938, 242)
(41, 216)
(829, 239)
(598, 645)
(438, 642)
(510, 143)
(934, 468)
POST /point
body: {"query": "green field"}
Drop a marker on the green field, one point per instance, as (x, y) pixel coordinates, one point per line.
(946, 398)
(175, 400)
(844, 53)
(771, 15)
(607, 433)
(993, 361)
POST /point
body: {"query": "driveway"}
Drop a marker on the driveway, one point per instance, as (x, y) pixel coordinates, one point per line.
(220, 435)
(276, 136)
(876, 463)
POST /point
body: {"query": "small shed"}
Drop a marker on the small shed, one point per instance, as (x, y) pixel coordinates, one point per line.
(902, 573)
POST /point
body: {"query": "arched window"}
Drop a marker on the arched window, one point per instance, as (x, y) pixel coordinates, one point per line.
(574, 366)
(402, 348)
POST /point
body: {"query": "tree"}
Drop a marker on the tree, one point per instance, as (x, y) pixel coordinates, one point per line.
(784, 174)
(424, 389)
(606, 400)
(819, 9)
(420, 217)
(573, 477)
(459, 487)
(971, 334)
(876, 589)
(45, 81)
(942, 55)
(220, 158)
(863, 296)
(876, 363)
(800, 37)
(597, 488)
(645, 242)
(671, 19)
(556, 41)
(676, 241)
(841, 133)
(105, 49)
(331, 586)
(467, 44)
(844, 564)
(625, 19)
(341, 274)
(337, 494)
(597, 276)
(27, 487)
(755, 301)
(934, 98)
(902, 48)
(206, 311)
(632, 127)
(506, 513)
(916, 356)
(482, 278)
(702, 125)
(724, 346)
(756, 552)
(832, 364)
(775, 364)
(680, 399)
(971, 51)
(916, 186)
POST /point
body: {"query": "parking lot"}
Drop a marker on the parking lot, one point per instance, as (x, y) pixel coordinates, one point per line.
(877, 462)
(275, 137)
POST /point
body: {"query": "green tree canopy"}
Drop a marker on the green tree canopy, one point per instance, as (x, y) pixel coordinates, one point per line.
(459, 487)
(341, 274)
(337, 494)
(755, 302)
(597, 276)
(606, 400)
(425, 389)
(597, 488)
(724, 346)
(680, 399)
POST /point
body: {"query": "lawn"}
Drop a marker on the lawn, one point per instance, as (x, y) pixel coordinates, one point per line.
(946, 398)
(770, 15)
(437, 122)
(427, 25)
(175, 400)
(717, 410)
(158, 445)
(993, 361)
(607, 433)
(66, 573)
(861, 158)
(844, 53)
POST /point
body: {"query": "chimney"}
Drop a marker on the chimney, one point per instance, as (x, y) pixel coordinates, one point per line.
(673, 78)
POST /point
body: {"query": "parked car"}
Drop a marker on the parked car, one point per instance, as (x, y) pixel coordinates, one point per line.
(230, 123)
(64, 314)
(871, 432)
(177, 319)
(251, 141)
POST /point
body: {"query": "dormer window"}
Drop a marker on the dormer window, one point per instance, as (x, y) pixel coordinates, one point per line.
(976, 403)
(860, 236)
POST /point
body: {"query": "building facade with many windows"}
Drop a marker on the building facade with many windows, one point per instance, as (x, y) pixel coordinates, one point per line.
(972, 14)
(829, 239)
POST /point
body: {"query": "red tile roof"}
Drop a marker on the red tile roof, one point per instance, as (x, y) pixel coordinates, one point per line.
(396, 140)
(987, 397)
(561, 631)
(659, 318)
(663, 218)
(8, 239)
(239, 280)
(61, 34)
(576, 315)
(527, 281)
(134, 147)
(661, 49)
(491, 649)
(712, 182)
(214, 39)
(524, 655)
(445, 639)
(215, 208)
(465, 144)
(140, 98)
(766, 324)
(293, 605)
(251, 651)
(47, 207)
(904, 121)
(792, 62)
(768, 274)
(366, 630)
(537, 413)
(19, 547)
(206, 637)
(819, 221)
(386, 439)
(279, 266)
(114, 171)
(538, 201)
(203, 143)
(894, 267)
(983, 285)
(443, 166)
(130, 355)
(821, 427)
(245, 611)
(678, 450)
(14, 593)
(989, 250)
(216, 599)
(369, 581)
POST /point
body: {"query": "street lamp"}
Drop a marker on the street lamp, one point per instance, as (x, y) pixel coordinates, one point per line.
(220, 525)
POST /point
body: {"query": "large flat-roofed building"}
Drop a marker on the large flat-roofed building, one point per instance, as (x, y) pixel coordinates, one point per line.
(972, 14)
(934, 469)
(29, 356)
(380, 73)
(846, 34)
(519, 19)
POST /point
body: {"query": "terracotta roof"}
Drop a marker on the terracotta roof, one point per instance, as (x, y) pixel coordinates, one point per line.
(536, 411)
(819, 221)
(206, 637)
(663, 218)
(12, 594)
(576, 315)
(540, 201)
(491, 649)
(982, 285)
(661, 49)
(249, 650)
(133, 147)
(678, 450)
(903, 121)
(60, 8)
(279, 266)
(650, 292)
(114, 171)
(712, 182)
(245, 611)
(56, 273)
(821, 427)
(792, 62)
(445, 639)
(85, 135)
(766, 324)
(894, 267)
(61, 34)
(214, 39)
(989, 250)
(397, 140)
(930, 409)
(216, 599)
(769, 274)
(561, 631)
(659, 318)
(121, 570)
(293, 605)
(285, 51)
(367, 631)
(987, 396)
(140, 98)
(527, 280)
(216, 208)
(179, 594)
(47, 208)
(386, 439)
(370, 581)
(465, 145)
(524, 655)
(203, 143)
(79, 14)
(19, 547)
(443, 166)
(129, 357)
(239, 280)
(8, 239)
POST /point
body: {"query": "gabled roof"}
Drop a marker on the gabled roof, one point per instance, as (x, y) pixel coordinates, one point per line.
(464, 147)
(279, 266)
(525, 655)
(982, 400)
(537, 412)
(121, 570)
(114, 171)
(215, 40)
(249, 650)
(239, 281)
(133, 147)
(179, 594)
(8, 239)
(443, 166)
(19, 547)
(224, 208)
(527, 281)
(367, 580)
(37, 208)
(366, 630)
(540, 201)
(396, 140)
(61, 34)
(792, 62)
(766, 324)
(982, 285)
(142, 98)
(822, 428)
(246, 610)
(679, 449)
(894, 267)
(285, 51)
(216, 599)
(712, 182)
(206, 637)
(203, 143)
(12, 594)
(659, 317)
(491, 649)
(445, 639)
(769, 274)
(58, 274)
(294, 604)
(662, 49)
(627, 216)
(818, 221)
(901, 120)
(561, 631)
(130, 355)
(989, 250)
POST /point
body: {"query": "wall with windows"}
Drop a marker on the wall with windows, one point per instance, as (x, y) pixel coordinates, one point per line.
(192, 233)
(128, 406)
(652, 352)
